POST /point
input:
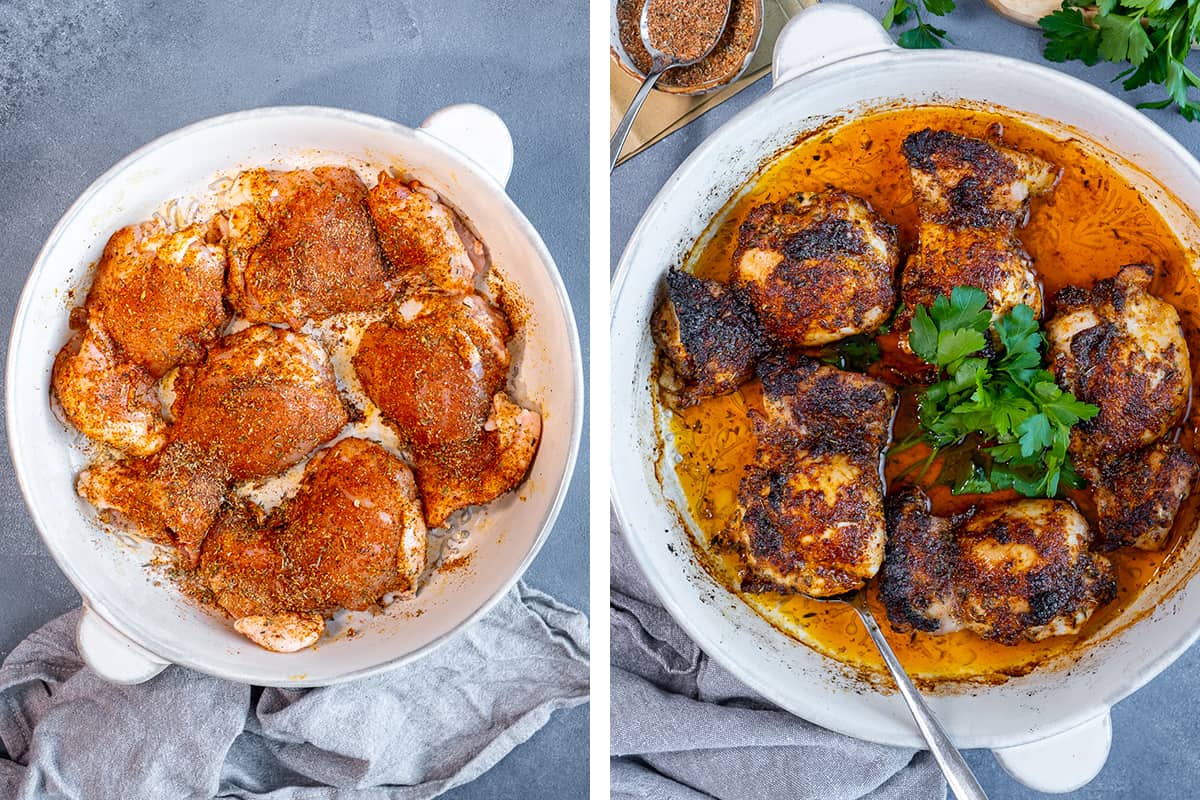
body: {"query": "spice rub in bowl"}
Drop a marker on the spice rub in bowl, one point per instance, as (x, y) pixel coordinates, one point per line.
(317, 381)
(1009, 537)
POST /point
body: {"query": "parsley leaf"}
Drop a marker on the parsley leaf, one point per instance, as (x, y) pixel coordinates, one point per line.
(922, 36)
(997, 401)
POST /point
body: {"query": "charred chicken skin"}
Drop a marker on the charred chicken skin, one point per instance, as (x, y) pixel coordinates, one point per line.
(1012, 571)
(423, 240)
(262, 400)
(817, 267)
(301, 246)
(811, 508)
(971, 196)
(1123, 349)
(709, 336)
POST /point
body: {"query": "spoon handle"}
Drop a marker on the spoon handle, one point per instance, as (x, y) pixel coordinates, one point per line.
(618, 138)
(958, 775)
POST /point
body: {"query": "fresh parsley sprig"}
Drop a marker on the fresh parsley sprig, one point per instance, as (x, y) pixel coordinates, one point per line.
(1154, 37)
(992, 387)
(922, 36)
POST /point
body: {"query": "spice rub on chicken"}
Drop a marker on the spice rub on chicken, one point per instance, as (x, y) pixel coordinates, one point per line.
(155, 302)
(817, 267)
(423, 240)
(302, 246)
(811, 514)
(352, 533)
(437, 367)
(1009, 572)
(1123, 349)
(708, 335)
(971, 196)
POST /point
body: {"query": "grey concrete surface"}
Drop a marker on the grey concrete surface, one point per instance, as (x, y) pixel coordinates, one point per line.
(1147, 761)
(85, 82)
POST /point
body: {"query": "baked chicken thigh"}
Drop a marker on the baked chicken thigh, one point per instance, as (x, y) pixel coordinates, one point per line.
(352, 533)
(811, 508)
(1013, 571)
(709, 337)
(1123, 349)
(817, 267)
(424, 241)
(301, 246)
(971, 195)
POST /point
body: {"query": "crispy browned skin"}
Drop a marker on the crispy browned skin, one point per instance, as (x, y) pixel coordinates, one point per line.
(915, 582)
(482, 468)
(262, 400)
(971, 195)
(302, 246)
(171, 497)
(1012, 571)
(1123, 349)
(107, 398)
(1138, 495)
(424, 241)
(811, 516)
(352, 533)
(817, 267)
(158, 294)
(709, 336)
(433, 366)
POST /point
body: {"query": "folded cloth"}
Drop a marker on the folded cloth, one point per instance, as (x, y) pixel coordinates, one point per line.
(412, 732)
(683, 728)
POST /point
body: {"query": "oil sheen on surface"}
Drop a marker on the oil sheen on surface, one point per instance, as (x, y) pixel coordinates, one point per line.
(1087, 228)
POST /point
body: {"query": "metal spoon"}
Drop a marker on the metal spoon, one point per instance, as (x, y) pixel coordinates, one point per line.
(958, 775)
(660, 62)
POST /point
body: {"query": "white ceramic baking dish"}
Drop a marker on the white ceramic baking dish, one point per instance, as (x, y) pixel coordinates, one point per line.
(1050, 728)
(133, 622)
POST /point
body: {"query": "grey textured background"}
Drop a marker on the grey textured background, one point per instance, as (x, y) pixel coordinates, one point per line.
(1147, 760)
(82, 84)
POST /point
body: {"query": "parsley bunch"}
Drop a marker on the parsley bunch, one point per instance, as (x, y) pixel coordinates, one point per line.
(1153, 36)
(1007, 400)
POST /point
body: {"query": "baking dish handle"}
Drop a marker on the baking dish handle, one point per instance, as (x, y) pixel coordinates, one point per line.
(1062, 763)
(476, 132)
(111, 654)
(822, 34)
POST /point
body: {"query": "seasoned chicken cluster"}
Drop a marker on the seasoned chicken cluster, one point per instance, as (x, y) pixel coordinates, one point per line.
(352, 533)
(437, 368)
(971, 195)
(302, 246)
(1123, 349)
(709, 337)
(155, 302)
(1012, 571)
(811, 508)
(207, 411)
(817, 267)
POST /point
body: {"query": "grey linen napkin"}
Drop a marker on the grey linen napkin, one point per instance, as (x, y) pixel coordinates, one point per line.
(413, 732)
(683, 728)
